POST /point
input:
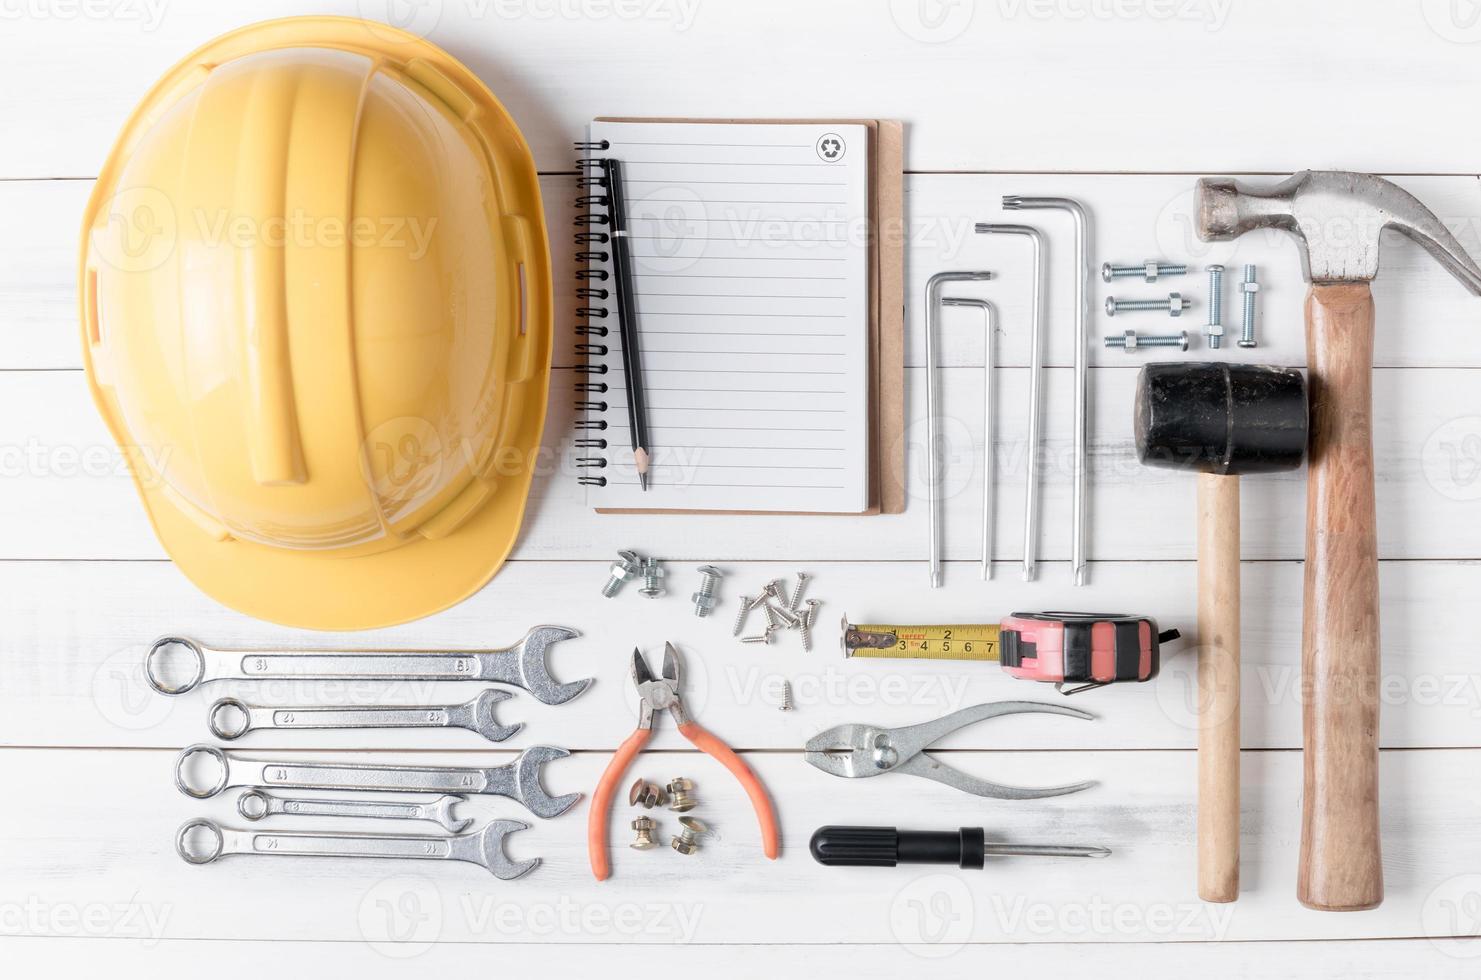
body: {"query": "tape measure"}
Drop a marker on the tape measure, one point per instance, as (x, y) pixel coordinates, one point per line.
(1085, 649)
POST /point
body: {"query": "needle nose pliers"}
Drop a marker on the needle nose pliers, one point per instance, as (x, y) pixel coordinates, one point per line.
(657, 694)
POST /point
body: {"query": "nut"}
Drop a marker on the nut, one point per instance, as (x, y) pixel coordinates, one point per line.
(1130, 340)
(1175, 304)
(646, 795)
(644, 827)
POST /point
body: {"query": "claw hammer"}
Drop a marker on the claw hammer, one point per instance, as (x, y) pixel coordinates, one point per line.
(1338, 219)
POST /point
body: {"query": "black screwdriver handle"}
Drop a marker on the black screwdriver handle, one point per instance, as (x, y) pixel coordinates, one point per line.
(885, 847)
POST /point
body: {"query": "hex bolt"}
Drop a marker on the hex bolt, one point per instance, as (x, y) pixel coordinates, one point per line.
(681, 795)
(1130, 342)
(652, 579)
(1247, 316)
(1175, 304)
(797, 590)
(628, 565)
(740, 617)
(645, 827)
(688, 840)
(646, 795)
(704, 600)
(1215, 328)
(1148, 270)
(785, 702)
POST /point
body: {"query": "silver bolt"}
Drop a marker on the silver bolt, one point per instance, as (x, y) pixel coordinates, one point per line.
(1130, 341)
(764, 638)
(652, 579)
(740, 617)
(1215, 329)
(1247, 317)
(688, 840)
(1175, 304)
(807, 621)
(625, 567)
(646, 795)
(1148, 270)
(704, 600)
(786, 698)
(645, 827)
(681, 799)
(797, 591)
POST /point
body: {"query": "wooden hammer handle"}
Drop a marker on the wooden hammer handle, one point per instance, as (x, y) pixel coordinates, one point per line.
(1341, 866)
(1218, 687)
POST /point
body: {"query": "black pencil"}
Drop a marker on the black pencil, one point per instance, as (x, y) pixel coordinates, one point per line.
(627, 320)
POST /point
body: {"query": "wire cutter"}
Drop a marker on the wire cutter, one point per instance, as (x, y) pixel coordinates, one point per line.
(864, 750)
(657, 694)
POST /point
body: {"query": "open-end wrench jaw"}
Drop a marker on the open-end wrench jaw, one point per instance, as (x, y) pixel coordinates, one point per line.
(527, 789)
(486, 849)
(526, 667)
(481, 716)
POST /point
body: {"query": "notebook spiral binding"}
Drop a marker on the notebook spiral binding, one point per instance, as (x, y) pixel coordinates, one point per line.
(591, 293)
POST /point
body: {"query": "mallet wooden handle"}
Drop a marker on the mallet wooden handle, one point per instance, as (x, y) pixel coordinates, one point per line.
(1218, 687)
(1341, 866)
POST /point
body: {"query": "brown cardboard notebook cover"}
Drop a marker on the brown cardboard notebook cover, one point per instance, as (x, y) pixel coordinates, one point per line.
(886, 310)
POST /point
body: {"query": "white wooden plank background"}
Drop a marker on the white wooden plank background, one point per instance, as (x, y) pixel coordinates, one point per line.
(1118, 102)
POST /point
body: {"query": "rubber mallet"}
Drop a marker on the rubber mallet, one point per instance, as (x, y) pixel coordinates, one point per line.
(1219, 421)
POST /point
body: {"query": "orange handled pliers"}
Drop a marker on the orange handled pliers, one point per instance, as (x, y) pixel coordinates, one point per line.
(656, 694)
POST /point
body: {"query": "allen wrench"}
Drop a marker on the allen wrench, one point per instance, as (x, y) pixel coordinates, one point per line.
(933, 448)
(1014, 202)
(1035, 392)
(989, 469)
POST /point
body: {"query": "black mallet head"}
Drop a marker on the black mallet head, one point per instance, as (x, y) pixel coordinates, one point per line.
(1228, 419)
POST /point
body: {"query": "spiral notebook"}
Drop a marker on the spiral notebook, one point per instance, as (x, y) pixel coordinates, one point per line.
(768, 311)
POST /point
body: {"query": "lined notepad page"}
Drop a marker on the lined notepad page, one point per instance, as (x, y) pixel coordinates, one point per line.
(750, 254)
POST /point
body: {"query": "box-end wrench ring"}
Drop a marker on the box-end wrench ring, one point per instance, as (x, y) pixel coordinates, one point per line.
(521, 665)
(518, 780)
(484, 848)
(231, 718)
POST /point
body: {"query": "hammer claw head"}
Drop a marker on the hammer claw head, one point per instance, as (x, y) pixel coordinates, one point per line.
(1338, 217)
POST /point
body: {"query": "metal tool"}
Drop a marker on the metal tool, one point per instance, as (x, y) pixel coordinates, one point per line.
(653, 575)
(646, 794)
(1247, 290)
(933, 448)
(1219, 421)
(1341, 867)
(857, 751)
(627, 566)
(1174, 305)
(522, 665)
(256, 804)
(1148, 270)
(886, 847)
(657, 694)
(484, 848)
(230, 718)
(644, 826)
(1081, 529)
(691, 829)
(705, 599)
(1131, 343)
(518, 780)
(1037, 307)
(989, 477)
(1082, 650)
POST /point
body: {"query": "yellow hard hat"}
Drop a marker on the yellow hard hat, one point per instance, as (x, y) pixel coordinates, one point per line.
(316, 309)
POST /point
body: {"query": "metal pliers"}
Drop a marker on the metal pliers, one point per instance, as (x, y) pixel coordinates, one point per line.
(856, 750)
(658, 694)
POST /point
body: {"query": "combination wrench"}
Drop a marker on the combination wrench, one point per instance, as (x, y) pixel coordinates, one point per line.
(518, 780)
(254, 805)
(521, 665)
(230, 718)
(484, 848)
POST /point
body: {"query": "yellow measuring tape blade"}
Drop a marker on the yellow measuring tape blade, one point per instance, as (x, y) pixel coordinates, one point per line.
(962, 641)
